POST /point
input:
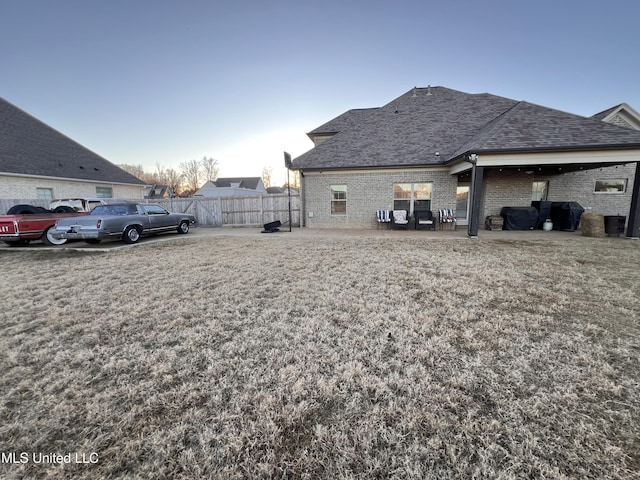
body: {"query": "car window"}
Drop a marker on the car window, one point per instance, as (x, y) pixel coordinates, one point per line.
(154, 210)
(111, 210)
(94, 204)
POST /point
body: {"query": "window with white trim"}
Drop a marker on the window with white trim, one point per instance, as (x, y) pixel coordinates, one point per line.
(611, 185)
(338, 199)
(412, 196)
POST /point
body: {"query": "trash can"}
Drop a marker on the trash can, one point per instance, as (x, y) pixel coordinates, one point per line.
(614, 224)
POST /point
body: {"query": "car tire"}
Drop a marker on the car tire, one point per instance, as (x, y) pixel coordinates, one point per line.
(183, 227)
(64, 209)
(47, 239)
(22, 210)
(131, 234)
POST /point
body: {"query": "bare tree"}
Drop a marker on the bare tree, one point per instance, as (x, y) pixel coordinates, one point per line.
(191, 174)
(138, 172)
(184, 182)
(294, 179)
(174, 180)
(210, 168)
(267, 173)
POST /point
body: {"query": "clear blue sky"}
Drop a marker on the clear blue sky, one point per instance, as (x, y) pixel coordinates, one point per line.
(155, 81)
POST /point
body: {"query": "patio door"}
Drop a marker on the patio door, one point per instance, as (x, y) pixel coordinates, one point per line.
(462, 204)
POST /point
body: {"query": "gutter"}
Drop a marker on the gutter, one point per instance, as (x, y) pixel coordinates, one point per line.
(577, 148)
(81, 180)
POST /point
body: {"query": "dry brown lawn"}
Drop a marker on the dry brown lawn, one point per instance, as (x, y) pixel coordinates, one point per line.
(345, 357)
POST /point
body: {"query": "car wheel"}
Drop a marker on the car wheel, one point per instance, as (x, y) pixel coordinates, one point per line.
(49, 240)
(92, 241)
(183, 227)
(131, 235)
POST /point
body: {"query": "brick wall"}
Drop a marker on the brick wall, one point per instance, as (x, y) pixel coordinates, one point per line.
(368, 192)
(511, 188)
(20, 187)
(371, 191)
(578, 186)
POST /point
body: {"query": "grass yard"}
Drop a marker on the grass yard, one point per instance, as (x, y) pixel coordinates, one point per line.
(346, 357)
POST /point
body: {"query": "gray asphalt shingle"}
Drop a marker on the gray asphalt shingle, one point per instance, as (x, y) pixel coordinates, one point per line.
(30, 147)
(409, 130)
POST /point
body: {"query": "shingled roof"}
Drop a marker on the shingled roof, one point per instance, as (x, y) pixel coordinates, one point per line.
(240, 182)
(434, 125)
(30, 147)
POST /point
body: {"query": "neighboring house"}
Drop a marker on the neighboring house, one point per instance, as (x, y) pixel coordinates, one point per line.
(158, 191)
(38, 162)
(436, 148)
(232, 187)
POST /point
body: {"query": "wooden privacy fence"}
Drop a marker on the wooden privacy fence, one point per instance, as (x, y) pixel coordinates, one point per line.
(215, 212)
(236, 211)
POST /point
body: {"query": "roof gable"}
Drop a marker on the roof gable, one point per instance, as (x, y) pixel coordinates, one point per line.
(347, 120)
(30, 147)
(622, 115)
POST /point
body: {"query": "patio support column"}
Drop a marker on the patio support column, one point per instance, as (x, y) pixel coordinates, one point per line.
(633, 227)
(477, 176)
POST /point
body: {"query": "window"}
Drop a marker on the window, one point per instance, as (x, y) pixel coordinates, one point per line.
(45, 193)
(616, 185)
(104, 192)
(412, 196)
(539, 191)
(338, 199)
(154, 210)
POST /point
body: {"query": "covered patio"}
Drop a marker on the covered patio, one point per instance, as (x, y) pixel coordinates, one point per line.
(553, 165)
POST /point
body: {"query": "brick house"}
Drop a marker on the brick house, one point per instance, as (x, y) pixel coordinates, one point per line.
(38, 162)
(435, 148)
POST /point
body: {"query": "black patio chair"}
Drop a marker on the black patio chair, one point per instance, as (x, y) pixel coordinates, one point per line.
(424, 220)
(399, 220)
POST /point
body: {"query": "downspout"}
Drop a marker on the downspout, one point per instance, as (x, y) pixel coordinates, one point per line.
(303, 206)
(287, 164)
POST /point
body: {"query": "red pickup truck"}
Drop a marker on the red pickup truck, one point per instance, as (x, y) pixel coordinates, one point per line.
(24, 223)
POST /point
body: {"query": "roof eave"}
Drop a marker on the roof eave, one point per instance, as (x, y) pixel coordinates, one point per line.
(368, 167)
(505, 151)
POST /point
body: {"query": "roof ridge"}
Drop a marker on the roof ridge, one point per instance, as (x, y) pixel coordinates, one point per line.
(488, 130)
